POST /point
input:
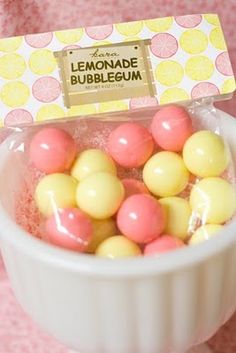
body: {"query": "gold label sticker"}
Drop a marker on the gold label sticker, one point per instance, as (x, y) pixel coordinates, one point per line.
(106, 73)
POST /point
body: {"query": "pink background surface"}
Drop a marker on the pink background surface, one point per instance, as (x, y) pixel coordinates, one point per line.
(17, 332)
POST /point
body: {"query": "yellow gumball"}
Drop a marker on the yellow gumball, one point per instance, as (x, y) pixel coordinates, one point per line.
(178, 214)
(117, 247)
(204, 233)
(205, 154)
(213, 200)
(100, 195)
(102, 229)
(55, 191)
(165, 174)
(92, 161)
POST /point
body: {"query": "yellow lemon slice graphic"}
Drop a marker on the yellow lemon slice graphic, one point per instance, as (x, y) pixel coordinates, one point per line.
(15, 94)
(12, 66)
(50, 112)
(42, 62)
(159, 25)
(169, 73)
(199, 68)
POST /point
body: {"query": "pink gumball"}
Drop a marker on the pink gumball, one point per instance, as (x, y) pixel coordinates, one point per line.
(134, 186)
(52, 150)
(130, 145)
(163, 244)
(141, 218)
(171, 127)
(70, 228)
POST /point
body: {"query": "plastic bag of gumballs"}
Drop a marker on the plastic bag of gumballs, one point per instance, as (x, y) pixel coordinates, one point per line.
(124, 184)
(122, 152)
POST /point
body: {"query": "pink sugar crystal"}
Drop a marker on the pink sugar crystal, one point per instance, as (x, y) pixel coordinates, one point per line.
(26, 212)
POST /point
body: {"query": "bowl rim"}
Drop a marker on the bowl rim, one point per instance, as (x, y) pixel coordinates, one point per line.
(24, 243)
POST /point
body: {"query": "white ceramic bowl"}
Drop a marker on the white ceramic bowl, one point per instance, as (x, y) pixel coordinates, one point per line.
(141, 305)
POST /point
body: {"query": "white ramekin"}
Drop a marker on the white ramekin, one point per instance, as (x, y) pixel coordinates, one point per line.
(142, 305)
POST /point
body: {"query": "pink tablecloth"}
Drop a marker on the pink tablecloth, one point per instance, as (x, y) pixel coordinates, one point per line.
(17, 333)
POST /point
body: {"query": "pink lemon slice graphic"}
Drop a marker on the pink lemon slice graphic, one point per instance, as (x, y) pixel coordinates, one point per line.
(164, 45)
(39, 40)
(99, 32)
(17, 117)
(141, 102)
(74, 46)
(223, 64)
(46, 89)
(190, 21)
(204, 89)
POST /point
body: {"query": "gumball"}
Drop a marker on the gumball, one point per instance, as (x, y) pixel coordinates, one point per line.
(204, 233)
(213, 200)
(118, 247)
(171, 127)
(92, 161)
(102, 229)
(205, 154)
(165, 174)
(130, 145)
(163, 244)
(178, 214)
(55, 191)
(141, 218)
(100, 195)
(52, 150)
(70, 229)
(134, 186)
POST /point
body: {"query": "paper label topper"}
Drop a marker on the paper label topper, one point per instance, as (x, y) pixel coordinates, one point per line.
(106, 73)
(113, 68)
